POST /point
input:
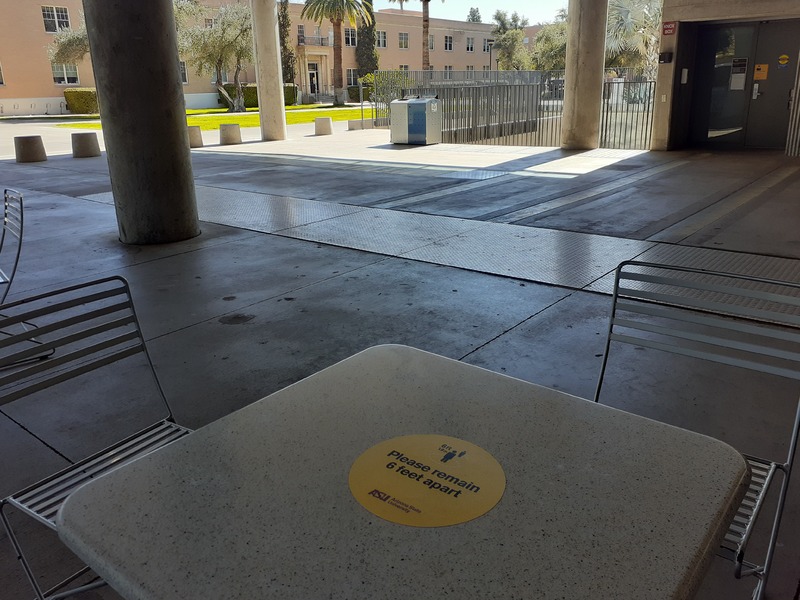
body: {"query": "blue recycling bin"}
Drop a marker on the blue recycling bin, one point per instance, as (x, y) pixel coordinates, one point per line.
(416, 121)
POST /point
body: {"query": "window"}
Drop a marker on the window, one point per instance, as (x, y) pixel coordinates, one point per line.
(402, 41)
(349, 36)
(487, 68)
(352, 76)
(182, 67)
(470, 44)
(470, 72)
(470, 67)
(431, 42)
(2, 81)
(448, 71)
(403, 67)
(209, 23)
(380, 39)
(448, 43)
(63, 74)
(55, 18)
(486, 44)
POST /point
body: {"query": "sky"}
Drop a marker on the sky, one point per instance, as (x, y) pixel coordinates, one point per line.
(537, 11)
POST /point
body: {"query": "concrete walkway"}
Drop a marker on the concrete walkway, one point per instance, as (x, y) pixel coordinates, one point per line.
(316, 247)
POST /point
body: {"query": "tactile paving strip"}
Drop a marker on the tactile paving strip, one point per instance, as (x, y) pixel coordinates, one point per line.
(263, 212)
(569, 259)
(770, 267)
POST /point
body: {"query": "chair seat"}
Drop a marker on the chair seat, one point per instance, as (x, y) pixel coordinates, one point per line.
(761, 473)
(42, 500)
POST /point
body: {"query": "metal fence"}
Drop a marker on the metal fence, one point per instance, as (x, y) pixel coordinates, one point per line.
(518, 107)
(626, 120)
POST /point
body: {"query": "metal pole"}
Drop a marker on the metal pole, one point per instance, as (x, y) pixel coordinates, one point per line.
(361, 100)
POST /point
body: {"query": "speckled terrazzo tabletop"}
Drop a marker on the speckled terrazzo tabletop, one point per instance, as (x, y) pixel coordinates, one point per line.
(598, 503)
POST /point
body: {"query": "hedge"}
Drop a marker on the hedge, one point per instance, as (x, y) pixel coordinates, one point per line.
(81, 101)
(352, 93)
(251, 94)
(290, 92)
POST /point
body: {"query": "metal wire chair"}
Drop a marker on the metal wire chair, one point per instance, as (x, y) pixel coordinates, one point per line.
(95, 341)
(10, 240)
(743, 321)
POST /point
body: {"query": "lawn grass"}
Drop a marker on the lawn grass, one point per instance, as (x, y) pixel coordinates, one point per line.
(211, 119)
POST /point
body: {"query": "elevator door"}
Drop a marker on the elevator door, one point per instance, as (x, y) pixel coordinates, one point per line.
(744, 78)
(776, 54)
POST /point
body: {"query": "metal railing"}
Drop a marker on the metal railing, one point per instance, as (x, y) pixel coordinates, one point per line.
(626, 120)
(313, 40)
(486, 107)
(519, 107)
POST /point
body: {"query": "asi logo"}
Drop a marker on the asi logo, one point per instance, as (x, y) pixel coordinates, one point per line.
(380, 495)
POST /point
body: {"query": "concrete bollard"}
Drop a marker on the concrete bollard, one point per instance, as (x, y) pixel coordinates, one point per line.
(357, 124)
(85, 145)
(323, 126)
(195, 137)
(229, 133)
(29, 148)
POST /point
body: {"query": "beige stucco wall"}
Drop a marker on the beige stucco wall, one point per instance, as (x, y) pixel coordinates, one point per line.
(27, 74)
(26, 68)
(694, 11)
(729, 10)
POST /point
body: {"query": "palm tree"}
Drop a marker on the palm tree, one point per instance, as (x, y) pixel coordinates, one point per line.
(337, 11)
(632, 35)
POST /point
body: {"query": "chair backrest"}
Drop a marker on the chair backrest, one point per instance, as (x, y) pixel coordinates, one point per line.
(732, 319)
(10, 240)
(56, 337)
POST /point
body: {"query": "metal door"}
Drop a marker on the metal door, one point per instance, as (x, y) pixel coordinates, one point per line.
(774, 68)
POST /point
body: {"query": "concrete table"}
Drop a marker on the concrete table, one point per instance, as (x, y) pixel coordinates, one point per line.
(598, 503)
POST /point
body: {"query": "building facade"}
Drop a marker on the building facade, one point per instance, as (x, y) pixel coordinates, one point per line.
(30, 84)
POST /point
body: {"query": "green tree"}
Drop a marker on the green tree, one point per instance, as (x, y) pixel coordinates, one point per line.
(366, 54)
(337, 11)
(474, 16)
(508, 41)
(288, 59)
(549, 48)
(632, 38)
(503, 23)
(216, 44)
(511, 51)
(69, 46)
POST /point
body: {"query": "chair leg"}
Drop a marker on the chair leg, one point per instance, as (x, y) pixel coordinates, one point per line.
(18, 551)
(53, 593)
(758, 592)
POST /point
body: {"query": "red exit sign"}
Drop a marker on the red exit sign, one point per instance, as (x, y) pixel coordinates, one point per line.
(669, 27)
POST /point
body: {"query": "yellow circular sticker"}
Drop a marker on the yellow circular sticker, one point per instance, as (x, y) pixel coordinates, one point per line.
(427, 480)
(783, 59)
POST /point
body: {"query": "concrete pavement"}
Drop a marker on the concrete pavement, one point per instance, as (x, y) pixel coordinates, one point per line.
(316, 247)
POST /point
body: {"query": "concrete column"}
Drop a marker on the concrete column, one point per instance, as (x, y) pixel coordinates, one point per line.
(269, 76)
(135, 60)
(583, 79)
